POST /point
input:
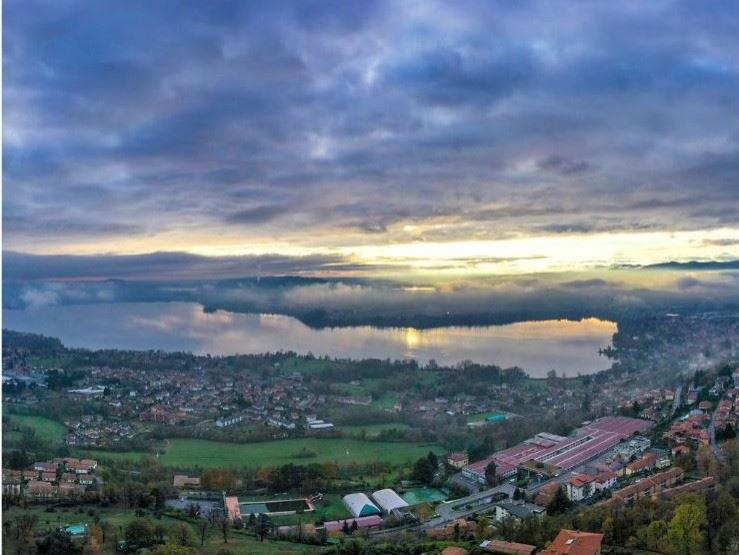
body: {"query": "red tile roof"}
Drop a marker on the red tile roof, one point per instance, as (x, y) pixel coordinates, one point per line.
(571, 542)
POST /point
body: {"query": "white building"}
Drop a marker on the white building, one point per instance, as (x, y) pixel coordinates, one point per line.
(605, 480)
(580, 486)
(319, 425)
(229, 421)
(388, 500)
(358, 504)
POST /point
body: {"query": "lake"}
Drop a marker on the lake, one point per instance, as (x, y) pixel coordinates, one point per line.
(567, 346)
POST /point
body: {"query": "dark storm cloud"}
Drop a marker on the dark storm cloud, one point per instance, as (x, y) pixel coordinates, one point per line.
(256, 214)
(19, 266)
(721, 242)
(565, 166)
(342, 301)
(587, 283)
(136, 118)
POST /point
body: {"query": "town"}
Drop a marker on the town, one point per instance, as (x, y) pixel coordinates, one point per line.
(288, 450)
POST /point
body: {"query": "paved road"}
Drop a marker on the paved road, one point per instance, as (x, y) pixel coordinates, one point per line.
(714, 446)
(451, 510)
(677, 401)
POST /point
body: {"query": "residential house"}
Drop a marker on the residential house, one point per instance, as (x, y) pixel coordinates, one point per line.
(185, 481)
(579, 487)
(546, 493)
(571, 542)
(605, 480)
(518, 510)
(700, 487)
(649, 486)
(458, 460)
(643, 464)
(37, 488)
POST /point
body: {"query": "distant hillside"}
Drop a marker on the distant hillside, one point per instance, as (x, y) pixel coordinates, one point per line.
(695, 265)
(38, 344)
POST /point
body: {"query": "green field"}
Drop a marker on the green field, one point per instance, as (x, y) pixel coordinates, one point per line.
(330, 508)
(70, 516)
(240, 542)
(482, 416)
(373, 430)
(113, 455)
(46, 429)
(188, 453)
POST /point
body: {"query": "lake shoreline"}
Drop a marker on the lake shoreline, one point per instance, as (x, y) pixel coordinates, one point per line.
(536, 346)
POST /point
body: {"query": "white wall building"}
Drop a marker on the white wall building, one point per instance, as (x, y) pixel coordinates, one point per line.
(358, 504)
(388, 500)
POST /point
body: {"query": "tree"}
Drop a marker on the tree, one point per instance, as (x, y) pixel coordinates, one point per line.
(173, 549)
(225, 527)
(180, 534)
(559, 503)
(481, 529)
(218, 479)
(491, 477)
(727, 432)
(94, 540)
(607, 529)
(58, 542)
(139, 531)
(345, 528)
(433, 460)
(354, 526)
(160, 531)
(721, 517)
(684, 529)
(107, 528)
(654, 534)
(24, 524)
(423, 471)
(262, 526)
(508, 528)
(202, 525)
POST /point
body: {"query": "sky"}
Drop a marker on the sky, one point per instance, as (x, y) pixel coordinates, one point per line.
(415, 138)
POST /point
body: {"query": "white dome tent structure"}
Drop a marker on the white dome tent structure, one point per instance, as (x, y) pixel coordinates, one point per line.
(359, 504)
(389, 500)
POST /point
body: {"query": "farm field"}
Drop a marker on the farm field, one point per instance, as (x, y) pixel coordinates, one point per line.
(46, 429)
(188, 453)
(113, 455)
(373, 430)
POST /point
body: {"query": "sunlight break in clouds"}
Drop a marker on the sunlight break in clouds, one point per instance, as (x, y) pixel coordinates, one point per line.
(395, 138)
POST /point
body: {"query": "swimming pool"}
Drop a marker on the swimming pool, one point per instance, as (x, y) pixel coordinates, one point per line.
(76, 529)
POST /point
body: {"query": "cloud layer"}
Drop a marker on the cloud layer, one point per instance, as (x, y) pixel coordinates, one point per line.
(261, 127)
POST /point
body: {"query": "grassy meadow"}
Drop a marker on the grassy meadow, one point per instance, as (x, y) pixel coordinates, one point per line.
(188, 453)
(50, 431)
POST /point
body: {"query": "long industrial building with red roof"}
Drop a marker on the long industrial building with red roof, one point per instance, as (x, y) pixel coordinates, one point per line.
(551, 454)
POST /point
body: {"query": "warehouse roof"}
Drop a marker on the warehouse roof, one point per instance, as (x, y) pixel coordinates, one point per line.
(360, 505)
(388, 500)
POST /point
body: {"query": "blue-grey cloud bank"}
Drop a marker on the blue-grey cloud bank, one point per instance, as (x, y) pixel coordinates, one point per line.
(343, 129)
